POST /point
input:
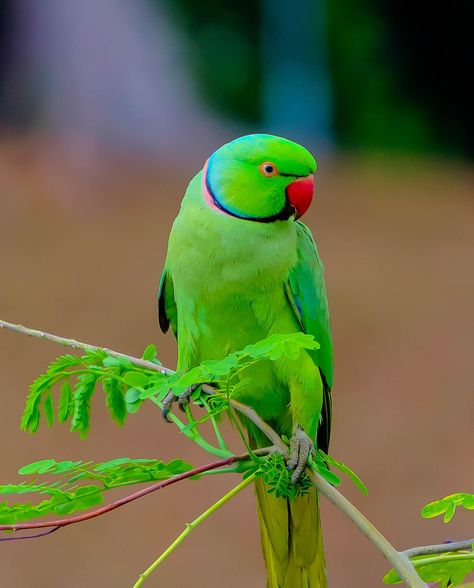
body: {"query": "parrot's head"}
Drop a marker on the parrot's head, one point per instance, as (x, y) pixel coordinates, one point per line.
(260, 178)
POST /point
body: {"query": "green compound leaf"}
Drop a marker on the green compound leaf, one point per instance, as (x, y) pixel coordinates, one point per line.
(445, 570)
(277, 477)
(31, 415)
(48, 408)
(80, 485)
(41, 387)
(82, 395)
(276, 346)
(85, 497)
(208, 371)
(345, 470)
(62, 363)
(447, 506)
(271, 348)
(65, 402)
(126, 385)
(115, 399)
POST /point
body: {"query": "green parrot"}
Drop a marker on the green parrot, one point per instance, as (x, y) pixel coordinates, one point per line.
(240, 267)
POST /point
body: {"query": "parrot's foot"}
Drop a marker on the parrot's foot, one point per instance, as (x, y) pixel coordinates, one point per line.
(301, 447)
(183, 401)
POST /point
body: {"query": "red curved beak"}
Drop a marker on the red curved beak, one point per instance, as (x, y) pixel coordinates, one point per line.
(300, 194)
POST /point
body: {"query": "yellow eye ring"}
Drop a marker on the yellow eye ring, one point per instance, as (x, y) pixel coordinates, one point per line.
(268, 169)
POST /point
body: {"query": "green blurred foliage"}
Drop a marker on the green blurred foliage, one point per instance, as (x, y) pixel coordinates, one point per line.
(398, 74)
(370, 106)
(224, 49)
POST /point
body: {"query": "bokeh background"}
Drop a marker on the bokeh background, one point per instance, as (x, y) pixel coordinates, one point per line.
(107, 109)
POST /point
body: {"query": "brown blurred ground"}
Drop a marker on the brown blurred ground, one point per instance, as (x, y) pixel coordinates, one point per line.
(81, 251)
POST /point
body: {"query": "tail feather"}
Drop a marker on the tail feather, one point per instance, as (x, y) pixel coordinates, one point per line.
(291, 540)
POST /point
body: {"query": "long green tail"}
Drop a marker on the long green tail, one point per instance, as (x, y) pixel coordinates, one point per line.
(291, 540)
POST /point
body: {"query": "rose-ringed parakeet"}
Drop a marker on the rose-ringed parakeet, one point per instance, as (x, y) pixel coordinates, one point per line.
(240, 267)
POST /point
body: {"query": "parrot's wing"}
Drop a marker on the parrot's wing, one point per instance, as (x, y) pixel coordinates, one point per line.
(306, 293)
(167, 313)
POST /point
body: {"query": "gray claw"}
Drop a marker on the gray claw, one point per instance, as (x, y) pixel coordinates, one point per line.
(184, 398)
(301, 447)
(166, 407)
(183, 401)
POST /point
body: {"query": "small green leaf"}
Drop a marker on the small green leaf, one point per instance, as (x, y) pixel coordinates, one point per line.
(86, 491)
(150, 352)
(448, 515)
(132, 395)
(221, 367)
(345, 470)
(329, 476)
(106, 465)
(133, 401)
(158, 386)
(82, 394)
(66, 402)
(208, 371)
(123, 362)
(87, 496)
(276, 346)
(435, 508)
(136, 379)
(64, 508)
(37, 467)
(134, 407)
(63, 467)
(48, 408)
(115, 399)
(468, 502)
(112, 362)
(392, 578)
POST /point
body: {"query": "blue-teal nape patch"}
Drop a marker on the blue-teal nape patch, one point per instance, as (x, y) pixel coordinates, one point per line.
(210, 186)
(217, 199)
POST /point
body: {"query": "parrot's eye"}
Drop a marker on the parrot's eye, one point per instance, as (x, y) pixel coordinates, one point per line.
(268, 169)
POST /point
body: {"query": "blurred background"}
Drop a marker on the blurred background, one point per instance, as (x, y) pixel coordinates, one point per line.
(107, 109)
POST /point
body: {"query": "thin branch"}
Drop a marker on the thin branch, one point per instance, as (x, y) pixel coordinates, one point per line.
(84, 346)
(191, 526)
(260, 423)
(441, 548)
(59, 523)
(43, 534)
(418, 563)
(399, 561)
(74, 344)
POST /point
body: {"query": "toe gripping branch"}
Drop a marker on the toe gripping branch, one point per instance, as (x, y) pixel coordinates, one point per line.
(182, 399)
(301, 448)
